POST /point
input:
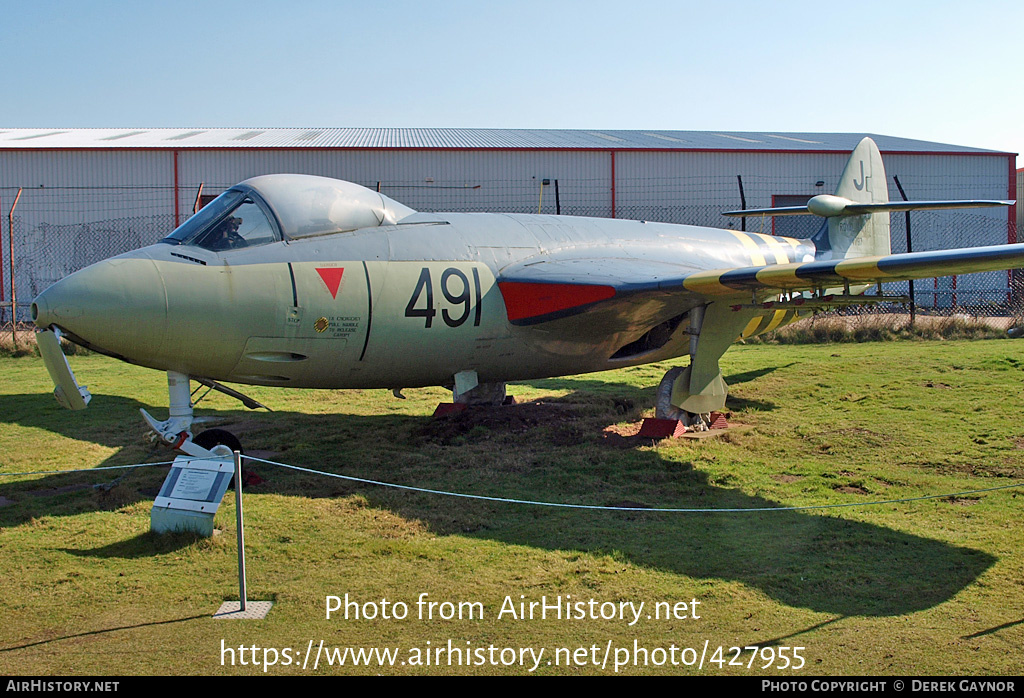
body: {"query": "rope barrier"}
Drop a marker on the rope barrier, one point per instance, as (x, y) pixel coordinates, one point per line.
(90, 470)
(608, 508)
(530, 502)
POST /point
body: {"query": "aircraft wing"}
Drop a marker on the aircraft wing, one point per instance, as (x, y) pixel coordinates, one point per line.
(549, 289)
(537, 291)
(809, 276)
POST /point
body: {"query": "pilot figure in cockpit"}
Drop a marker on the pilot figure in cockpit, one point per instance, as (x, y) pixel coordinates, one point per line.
(225, 236)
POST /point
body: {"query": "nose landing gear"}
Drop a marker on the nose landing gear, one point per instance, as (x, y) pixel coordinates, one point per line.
(176, 430)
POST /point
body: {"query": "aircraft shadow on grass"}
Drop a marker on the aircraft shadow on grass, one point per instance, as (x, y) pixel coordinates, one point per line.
(815, 560)
(645, 396)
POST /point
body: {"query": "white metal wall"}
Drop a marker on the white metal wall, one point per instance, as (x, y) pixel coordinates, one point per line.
(427, 180)
(82, 205)
(77, 207)
(1020, 198)
(499, 180)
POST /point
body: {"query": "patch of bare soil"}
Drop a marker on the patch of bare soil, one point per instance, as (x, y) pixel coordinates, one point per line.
(963, 501)
(561, 419)
(1008, 468)
(622, 436)
(851, 489)
(558, 423)
(58, 490)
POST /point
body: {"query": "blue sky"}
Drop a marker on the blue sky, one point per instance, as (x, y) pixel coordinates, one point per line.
(942, 71)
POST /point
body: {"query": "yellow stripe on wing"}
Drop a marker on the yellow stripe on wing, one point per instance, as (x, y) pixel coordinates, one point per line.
(780, 315)
(707, 282)
(781, 276)
(861, 269)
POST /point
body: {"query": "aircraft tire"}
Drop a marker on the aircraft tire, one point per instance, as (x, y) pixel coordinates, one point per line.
(212, 438)
(663, 407)
(217, 437)
(482, 394)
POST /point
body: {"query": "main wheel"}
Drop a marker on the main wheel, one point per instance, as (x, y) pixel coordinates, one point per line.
(482, 394)
(663, 407)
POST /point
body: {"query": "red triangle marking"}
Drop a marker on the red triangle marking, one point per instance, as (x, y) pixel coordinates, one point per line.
(332, 278)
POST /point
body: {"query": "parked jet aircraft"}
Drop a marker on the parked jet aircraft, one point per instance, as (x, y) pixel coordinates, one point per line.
(309, 282)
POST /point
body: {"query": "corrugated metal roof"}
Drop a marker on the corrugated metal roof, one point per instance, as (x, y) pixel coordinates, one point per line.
(451, 138)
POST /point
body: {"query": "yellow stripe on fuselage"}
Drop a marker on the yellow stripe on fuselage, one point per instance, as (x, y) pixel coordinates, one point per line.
(776, 248)
(756, 258)
(795, 244)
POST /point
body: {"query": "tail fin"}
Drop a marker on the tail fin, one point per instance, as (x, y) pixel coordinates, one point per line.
(857, 215)
(863, 182)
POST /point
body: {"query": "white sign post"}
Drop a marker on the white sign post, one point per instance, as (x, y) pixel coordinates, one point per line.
(190, 495)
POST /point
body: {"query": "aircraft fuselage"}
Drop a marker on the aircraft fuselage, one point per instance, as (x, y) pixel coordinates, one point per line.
(395, 306)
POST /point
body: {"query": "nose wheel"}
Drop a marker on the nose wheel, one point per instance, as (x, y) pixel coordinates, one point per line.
(218, 441)
(221, 442)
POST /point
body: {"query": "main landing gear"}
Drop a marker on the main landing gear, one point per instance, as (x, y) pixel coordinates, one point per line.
(691, 393)
(664, 409)
(468, 390)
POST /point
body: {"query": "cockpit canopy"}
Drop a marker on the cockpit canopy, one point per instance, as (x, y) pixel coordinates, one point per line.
(285, 206)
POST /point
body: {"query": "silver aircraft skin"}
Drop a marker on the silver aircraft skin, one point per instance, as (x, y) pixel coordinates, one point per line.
(310, 282)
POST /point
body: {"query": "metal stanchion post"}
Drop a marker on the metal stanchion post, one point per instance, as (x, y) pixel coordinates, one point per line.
(241, 531)
(256, 609)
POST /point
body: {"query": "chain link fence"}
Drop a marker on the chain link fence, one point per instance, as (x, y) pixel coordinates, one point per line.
(56, 231)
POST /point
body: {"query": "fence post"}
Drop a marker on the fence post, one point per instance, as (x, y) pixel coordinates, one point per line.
(10, 254)
(910, 248)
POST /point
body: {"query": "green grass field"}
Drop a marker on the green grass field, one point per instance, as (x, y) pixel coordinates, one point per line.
(924, 587)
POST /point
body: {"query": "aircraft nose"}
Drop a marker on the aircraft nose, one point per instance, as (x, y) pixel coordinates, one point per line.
(117, 306)
(41, 312)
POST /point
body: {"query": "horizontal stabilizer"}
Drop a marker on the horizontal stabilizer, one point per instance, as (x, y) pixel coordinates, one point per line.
(827, 206)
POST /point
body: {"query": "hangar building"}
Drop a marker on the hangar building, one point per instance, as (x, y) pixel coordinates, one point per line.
(86, 194)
